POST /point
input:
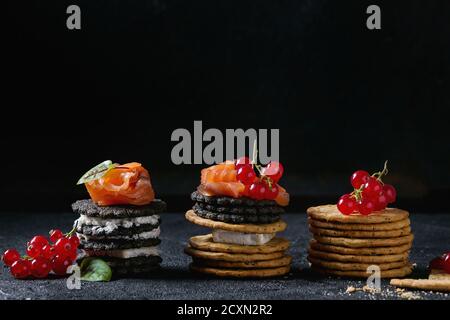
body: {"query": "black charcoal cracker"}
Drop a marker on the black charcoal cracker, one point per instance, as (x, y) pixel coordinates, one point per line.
(96, 231)
(235, 218)
(89, 208)
(131, 262)
(137, 271)
(240, 210)
(229, 201)
(105, 244)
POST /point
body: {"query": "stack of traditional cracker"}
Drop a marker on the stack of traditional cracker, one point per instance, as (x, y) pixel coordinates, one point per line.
(126, 237)
(347, 245)
(243, 241)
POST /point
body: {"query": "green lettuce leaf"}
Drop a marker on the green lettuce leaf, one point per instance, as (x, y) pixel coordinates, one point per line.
(94, 269)
(97, 172)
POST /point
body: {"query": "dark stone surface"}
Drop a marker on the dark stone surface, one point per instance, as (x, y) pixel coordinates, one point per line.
(174, 281)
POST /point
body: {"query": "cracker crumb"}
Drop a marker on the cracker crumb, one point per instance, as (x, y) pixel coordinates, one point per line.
(372, 290)
(408, 295)
(350, 289)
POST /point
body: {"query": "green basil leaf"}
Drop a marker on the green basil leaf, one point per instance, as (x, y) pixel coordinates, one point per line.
(97, 172)
(94, 269)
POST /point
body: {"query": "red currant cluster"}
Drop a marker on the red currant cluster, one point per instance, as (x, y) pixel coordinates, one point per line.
(263, 186)
(369, 194)
(441, 263)
(43, 256)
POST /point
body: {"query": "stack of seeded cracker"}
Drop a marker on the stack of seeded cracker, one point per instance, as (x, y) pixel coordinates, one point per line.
(126, 237)
(243, 240)
(347, 245)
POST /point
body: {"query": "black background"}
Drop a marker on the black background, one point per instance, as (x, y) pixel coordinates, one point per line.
(344, 97)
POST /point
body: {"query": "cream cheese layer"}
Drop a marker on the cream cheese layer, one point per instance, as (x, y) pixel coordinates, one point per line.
(125, 253)
(247, 239)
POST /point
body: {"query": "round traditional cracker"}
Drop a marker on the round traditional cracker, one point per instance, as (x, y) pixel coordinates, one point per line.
(352, 266)
(392, 273)
(360, 251)
(275, 263)
(246, 228)
(359, 226)
(357, 258)
(330, 213)
(242, 273)
(231, 256)
(206, 243)
(360, 234)
(364, 243)
(89, 208)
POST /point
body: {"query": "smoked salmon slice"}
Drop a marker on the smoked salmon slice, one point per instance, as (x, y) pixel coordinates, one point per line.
(221, 180)
(282, 197)
(124, 184)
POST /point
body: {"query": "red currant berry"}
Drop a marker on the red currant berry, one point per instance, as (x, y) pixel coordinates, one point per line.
(274, 170)
(390, 192)
(246, 192)
(39, 241)
(366, 206)
(40, 267)
(271, 192)
(48, 252)
(55, 235)
(446, 263)
(347, 204)
(33, 250)
(74, 240)
(359, 178)
(10, 256)
(63, 246)
(257, 190)
(372, 188)
(246, 175)
(437, 263)
(380, 202)
(21, 269)
(73, 254)
(60, 263)
(242, 161)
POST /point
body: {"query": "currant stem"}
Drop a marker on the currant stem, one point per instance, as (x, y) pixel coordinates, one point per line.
(68, 234)
(357, 193)
(258, 167)
(382, 173)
